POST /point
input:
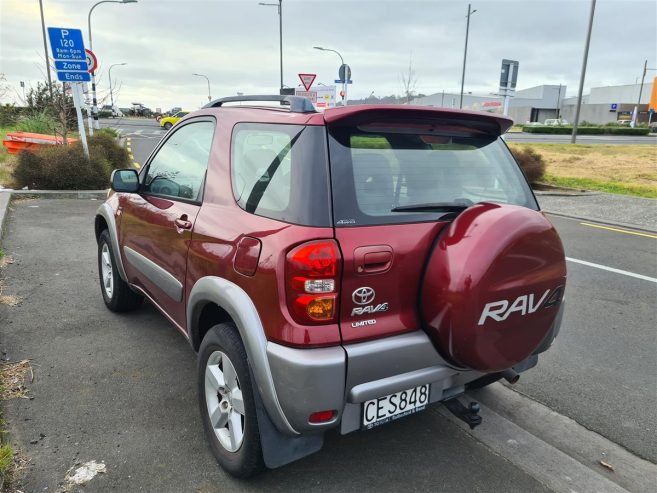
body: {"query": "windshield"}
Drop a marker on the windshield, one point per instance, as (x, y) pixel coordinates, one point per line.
(385, 174)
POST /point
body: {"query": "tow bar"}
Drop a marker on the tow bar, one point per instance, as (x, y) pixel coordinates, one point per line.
(469, 415)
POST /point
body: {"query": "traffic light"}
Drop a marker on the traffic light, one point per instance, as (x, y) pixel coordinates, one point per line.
(342, 94)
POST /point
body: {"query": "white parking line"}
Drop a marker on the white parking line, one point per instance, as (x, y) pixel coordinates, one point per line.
(611, 269)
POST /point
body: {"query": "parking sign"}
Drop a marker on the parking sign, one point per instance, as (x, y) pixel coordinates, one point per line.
(66, 44)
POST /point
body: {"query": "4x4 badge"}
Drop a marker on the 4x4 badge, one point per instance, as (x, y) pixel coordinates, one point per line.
(363, 296)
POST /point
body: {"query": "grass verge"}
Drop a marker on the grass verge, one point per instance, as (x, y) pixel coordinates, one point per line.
(5, 159)
(602, 186)
(13, 377)
(620, 169)
(12, 385)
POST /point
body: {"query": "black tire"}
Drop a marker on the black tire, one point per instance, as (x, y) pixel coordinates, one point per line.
(168, 125)
(247, 460)
(121, 298)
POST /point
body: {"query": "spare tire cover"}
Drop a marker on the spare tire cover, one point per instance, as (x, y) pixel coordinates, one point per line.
(492, 286)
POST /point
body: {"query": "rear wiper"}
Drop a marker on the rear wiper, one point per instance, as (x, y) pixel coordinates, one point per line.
(433, 207)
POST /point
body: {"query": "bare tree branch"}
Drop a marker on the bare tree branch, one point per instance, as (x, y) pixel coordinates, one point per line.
(409, 81)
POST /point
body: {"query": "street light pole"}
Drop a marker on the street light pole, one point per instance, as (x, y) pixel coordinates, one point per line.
(45, 50)
(346, 76)
(465, 52)
(206, 78)
(573, 138)
(110, 82)
(94, 109)
(635, 116)
(280, 31)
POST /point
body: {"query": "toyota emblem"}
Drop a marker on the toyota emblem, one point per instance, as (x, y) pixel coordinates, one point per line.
(363, 296)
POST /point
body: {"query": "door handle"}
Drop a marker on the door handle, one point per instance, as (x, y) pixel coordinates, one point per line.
(373, 259)
(183, 223)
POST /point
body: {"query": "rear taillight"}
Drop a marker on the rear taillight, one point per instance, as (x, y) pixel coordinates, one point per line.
(312, 278)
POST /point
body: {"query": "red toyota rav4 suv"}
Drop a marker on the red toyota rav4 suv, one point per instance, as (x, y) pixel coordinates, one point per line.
(334, 270)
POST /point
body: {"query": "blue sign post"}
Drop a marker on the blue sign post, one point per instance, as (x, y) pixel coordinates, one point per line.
(67, 49)
(70, 58)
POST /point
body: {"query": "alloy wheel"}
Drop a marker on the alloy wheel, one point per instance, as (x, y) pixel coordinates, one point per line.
(223, 396)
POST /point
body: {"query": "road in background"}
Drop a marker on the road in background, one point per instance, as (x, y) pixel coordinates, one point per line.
(581, 139)
(146, 129)
(144, 134)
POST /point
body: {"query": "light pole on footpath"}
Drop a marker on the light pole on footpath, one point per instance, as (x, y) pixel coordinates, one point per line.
(465, 51)
(573, 138)
(206, 78)
(94, 108)
(635, 113)
(280, 31)
(110, 82)
(345, 79)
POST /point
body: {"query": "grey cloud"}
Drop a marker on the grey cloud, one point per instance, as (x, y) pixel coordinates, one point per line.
(236, 43)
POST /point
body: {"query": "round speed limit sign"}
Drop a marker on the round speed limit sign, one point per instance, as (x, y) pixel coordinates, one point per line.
(92, 61)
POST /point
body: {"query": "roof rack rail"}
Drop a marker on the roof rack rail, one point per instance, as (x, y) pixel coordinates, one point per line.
(298, 104)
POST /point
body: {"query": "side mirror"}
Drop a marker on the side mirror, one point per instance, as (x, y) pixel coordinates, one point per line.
(125, 180)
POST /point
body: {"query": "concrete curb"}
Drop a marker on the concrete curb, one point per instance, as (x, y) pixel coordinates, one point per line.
(6, 196)
(552, 448)
(4, 206)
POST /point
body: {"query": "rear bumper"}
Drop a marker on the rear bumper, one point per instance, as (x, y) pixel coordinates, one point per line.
(341, 378)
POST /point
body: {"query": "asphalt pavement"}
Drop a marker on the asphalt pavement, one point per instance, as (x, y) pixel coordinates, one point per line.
(121, 389)
(601, 369)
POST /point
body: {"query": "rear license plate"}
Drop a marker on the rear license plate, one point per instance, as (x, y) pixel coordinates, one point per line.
(394, 406)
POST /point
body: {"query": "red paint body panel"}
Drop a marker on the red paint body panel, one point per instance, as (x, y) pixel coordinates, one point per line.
(398, 284)
(221, 224)
(490, 253)
(217, 232)
(148, 226)
(247, 256)
(333, 115)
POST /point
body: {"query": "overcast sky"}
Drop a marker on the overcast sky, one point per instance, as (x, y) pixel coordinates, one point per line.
(235, 43)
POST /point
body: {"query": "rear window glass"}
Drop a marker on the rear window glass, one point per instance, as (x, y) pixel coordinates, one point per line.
(281, 172)
(376, 169)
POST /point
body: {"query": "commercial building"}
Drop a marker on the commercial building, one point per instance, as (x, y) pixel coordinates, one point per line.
(537, 104)
(534, 104)
(612, 103)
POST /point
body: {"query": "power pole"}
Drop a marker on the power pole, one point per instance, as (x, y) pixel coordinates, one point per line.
(573, 138)
(465, 52)
(635, 115)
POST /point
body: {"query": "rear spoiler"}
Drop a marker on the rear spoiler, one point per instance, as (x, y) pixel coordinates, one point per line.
(488, 123)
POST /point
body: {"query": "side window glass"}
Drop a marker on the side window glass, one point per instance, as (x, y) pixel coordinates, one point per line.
(178, 169)
(261, 168)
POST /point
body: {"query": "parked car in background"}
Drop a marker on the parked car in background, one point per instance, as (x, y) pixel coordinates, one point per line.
(336, 270)
(169, 121)
(172, 111)
(556, 121)
(138, 109)
(114, 110)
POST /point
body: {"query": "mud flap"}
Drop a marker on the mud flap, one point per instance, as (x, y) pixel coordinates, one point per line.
(279, 449)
